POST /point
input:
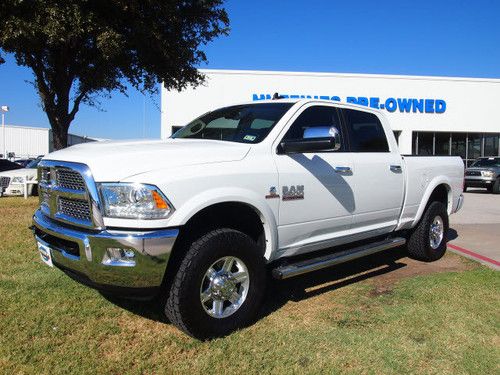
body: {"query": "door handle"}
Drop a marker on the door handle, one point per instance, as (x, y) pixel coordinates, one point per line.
(396, 168)
(343, 169)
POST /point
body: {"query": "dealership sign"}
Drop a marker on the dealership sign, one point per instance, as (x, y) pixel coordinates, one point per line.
(403, 105)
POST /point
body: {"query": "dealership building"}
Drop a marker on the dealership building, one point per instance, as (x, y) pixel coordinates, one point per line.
(429, 115)
(30, 142)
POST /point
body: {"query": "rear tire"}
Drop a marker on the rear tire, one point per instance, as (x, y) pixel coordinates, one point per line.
(496, 187)
(428, 240)
(204, 276)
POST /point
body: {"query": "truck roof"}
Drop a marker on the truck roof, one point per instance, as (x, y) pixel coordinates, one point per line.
(310, 100)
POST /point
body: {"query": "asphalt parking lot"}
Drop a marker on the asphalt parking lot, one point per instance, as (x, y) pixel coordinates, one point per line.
(475, 229)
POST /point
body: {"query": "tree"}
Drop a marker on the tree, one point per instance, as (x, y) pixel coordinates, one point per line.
(79, 50)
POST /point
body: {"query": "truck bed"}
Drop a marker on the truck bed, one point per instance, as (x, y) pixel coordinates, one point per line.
(423, 174)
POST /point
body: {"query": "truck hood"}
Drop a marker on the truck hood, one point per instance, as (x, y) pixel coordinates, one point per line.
(111, 161)
(481, 169)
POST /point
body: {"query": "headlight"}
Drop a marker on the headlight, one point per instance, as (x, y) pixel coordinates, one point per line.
(487, 173)
(17, 180)
(134, 201)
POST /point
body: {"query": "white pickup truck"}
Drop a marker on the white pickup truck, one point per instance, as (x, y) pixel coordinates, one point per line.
(202, 217)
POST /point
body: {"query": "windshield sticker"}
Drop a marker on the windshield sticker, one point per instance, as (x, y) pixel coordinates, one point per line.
(250, 138)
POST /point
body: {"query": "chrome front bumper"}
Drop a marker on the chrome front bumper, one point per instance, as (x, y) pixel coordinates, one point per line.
(80, 253)
(478, 181)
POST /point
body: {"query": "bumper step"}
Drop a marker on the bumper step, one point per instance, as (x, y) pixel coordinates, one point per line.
(310, 265)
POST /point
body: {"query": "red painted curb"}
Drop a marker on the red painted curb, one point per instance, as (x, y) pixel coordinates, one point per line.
(474, 255)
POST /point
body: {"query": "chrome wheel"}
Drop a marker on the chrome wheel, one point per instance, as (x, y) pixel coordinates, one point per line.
(436, 232)
(224, 287)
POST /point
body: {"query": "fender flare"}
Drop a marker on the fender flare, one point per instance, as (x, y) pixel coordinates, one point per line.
(433, 184)
(212, 197)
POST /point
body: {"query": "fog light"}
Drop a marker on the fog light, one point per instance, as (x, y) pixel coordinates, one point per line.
(115, 256)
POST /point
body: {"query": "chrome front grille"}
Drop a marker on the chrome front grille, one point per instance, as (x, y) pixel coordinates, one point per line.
(69, 179)
(68, 194)
(4, 182)
(45, 175)
(77, 209)
(473, 173)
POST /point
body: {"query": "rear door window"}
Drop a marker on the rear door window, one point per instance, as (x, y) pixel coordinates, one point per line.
(366, 133)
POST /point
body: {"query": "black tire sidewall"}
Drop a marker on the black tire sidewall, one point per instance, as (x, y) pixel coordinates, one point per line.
(209, 248)
(495, 189)
(419, 246)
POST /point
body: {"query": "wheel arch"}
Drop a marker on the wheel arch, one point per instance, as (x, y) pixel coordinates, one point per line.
(231, 199)
(233, 214)
(228, 214)
(438, 190)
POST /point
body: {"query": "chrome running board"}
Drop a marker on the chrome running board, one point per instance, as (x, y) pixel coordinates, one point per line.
(314, 264)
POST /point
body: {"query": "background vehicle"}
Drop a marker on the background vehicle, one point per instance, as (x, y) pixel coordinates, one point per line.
(201, 217)
(484, 173)
(12, 182)
(23, 162)
(7, 165)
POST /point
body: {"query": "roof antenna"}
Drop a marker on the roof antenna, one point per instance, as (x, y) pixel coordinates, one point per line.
(277, 96)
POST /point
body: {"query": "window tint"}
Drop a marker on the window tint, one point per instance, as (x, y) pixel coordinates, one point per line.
(365, 132)
(468, 146)
(491, 144)
(442, 144)
(425, 142)
(490, 162)
(459, 144)
(397, 133)
(474, 143)
(314, 117)
(249, 123)
(222, 123)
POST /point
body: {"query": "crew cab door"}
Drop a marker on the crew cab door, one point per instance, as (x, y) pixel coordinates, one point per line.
(316, 188)
(379, 178)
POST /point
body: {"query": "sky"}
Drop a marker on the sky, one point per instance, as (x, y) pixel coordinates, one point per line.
(420, 37)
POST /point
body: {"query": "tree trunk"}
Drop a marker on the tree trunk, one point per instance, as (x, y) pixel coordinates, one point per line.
(55, 101)
(59, 135)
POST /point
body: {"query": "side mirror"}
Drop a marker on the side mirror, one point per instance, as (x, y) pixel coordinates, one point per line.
(318, 138)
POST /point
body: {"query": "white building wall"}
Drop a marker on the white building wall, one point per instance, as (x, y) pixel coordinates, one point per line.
(76, 139)
(25, 141)
(471, 104)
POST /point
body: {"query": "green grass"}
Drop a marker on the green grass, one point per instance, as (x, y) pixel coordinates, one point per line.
(442, 323)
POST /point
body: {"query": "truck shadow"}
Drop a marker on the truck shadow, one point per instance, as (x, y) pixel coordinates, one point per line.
(279, 292)
(334, 182)
(303, 287)
(452, 234)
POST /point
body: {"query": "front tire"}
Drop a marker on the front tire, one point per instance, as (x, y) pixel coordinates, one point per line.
(428, 240)
(219, 285)
(495, 189)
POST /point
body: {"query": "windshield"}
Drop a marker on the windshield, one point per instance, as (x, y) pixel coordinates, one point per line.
(249, 123)
(490, 162)
(33, 163)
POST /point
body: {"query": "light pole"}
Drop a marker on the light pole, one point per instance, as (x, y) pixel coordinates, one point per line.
(4, 109)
